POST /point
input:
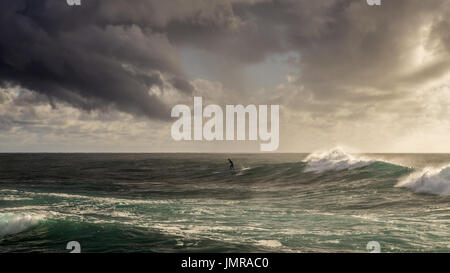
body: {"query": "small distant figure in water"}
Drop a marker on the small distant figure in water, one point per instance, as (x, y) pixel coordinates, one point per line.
(231, 164)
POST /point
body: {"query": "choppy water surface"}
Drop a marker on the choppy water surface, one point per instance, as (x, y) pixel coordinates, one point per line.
(321, 202)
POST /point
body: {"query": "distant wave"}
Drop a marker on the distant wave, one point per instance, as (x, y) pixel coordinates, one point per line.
(430, 180)
(335, 159)
(15, 223)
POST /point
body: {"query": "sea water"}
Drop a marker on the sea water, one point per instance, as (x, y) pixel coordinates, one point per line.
(322, 202)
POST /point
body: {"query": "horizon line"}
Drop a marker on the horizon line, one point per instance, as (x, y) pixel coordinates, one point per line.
(160, 152)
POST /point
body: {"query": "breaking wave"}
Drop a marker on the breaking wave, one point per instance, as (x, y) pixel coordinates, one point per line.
(335, 159)
(430, 180)
(15, 223)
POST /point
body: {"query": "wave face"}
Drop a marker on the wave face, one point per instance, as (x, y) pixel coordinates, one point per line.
(16, 223)
(430, 180)
(334, 160)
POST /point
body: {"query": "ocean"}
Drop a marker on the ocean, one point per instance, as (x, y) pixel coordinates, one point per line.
(322, 202)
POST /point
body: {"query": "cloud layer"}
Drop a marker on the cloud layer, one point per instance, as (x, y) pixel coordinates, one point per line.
(91, 57)
(358, 67)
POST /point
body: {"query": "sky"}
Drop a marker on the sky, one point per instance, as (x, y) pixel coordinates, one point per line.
(104, 76)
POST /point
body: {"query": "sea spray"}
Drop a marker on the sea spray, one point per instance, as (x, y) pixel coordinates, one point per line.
(15, 223)
(335, 159)
(429, 180)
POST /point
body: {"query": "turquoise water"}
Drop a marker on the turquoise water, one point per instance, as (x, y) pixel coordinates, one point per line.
(325, 202)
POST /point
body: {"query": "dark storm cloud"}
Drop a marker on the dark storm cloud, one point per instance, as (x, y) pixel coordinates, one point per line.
(91, 56)
(346, 47)
(107, 53)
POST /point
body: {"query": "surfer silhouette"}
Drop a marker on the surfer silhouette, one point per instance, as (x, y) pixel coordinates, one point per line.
(231, 164)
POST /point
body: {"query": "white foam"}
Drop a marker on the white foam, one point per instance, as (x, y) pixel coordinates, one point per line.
(105, 200)
(429, 180)
(269, 243)
(335, 159)
(15, 223)
(8, 190)
(14, 198)
(27, 208)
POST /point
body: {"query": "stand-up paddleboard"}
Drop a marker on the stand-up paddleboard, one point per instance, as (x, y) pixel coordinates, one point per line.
(228, 171)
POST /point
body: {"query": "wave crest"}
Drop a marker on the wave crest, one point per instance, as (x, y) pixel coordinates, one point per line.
(430, 180)
(335, 159)
(15, 223)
